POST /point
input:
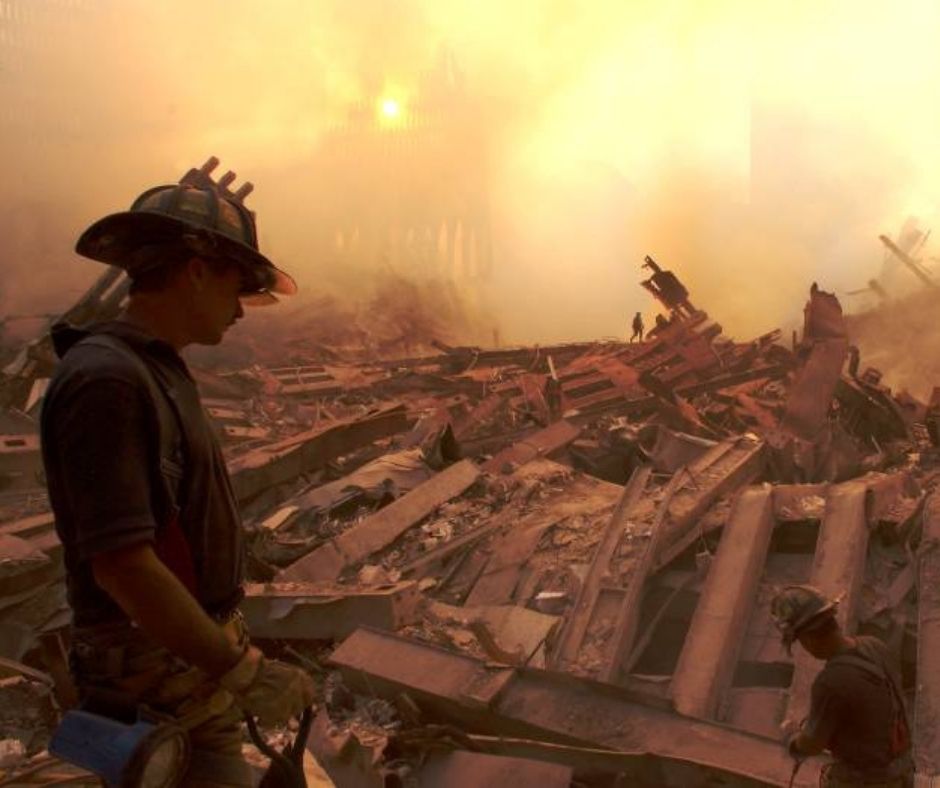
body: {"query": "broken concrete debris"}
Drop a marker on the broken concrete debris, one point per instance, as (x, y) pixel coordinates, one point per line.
(352, 546)
(311, 611)
(538, 565)
(552, 707)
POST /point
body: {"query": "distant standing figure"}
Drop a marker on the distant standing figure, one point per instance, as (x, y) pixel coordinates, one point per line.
(637, 328)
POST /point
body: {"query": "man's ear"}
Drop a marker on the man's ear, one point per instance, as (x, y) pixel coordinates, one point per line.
(197, 271)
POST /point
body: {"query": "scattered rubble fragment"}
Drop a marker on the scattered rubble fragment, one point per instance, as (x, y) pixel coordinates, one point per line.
(541, 566)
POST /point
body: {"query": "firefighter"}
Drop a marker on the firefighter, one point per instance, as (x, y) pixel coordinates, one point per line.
(856, 712)
(153, 542)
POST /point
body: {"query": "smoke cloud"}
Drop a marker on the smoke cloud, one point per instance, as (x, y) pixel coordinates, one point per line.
(750, 147)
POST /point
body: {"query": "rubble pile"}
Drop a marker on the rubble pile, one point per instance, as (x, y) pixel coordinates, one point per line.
(389, 318)
(544, 565)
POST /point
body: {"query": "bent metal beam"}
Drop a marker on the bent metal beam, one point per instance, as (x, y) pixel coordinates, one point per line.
(558, 708)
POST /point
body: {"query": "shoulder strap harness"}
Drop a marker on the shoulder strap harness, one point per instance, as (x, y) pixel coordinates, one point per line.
(900, 733)
(171, 545)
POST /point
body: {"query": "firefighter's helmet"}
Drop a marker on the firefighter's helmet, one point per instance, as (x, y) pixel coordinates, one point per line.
(800, 608)
(197, 213)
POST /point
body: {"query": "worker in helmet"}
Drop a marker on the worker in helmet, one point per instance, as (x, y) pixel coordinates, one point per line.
(857, 711)
(144, 508)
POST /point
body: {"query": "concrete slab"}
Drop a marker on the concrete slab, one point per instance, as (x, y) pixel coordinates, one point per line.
(838, 571)
(706, 665)
(321, 611)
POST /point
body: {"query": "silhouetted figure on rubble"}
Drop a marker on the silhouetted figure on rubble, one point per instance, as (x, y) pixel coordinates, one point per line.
(661, 323)
(638, 328)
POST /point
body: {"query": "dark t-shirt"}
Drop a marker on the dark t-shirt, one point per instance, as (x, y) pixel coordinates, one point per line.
(101, 452)
(853, 710)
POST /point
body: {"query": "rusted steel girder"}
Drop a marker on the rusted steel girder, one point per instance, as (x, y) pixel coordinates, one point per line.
(554, 707)
(706, 666)
(586, 616)
(807, 408)
(607, 613)
(615, 403)
(541, 444)
(800, 444)
(730, 464)
(912, 264)
(279, 462)
(838, 571)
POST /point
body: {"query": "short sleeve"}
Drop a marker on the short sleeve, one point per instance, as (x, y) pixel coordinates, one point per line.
(99, 441)
(826, 711)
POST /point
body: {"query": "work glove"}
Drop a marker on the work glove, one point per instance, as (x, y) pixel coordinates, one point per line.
(787, 728)
(267, 689)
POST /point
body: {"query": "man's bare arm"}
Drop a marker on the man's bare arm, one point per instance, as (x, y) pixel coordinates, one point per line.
(152, 596)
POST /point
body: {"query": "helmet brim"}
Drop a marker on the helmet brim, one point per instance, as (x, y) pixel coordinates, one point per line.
(115, 238)
(815, 620)
(789, 635)
(261, 298)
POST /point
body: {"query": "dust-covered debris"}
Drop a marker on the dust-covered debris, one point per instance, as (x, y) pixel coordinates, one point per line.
(479, 501)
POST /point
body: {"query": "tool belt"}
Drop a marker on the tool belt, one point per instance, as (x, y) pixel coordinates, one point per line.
(120, 659)
(118, 670)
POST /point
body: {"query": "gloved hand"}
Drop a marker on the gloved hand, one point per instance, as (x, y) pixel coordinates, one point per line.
(267, 689)
(787, 728)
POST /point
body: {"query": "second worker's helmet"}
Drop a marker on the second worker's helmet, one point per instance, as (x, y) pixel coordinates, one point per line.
(800, 608)
(197, 214)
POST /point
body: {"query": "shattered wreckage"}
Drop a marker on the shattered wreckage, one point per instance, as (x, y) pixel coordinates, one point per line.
(535, 566)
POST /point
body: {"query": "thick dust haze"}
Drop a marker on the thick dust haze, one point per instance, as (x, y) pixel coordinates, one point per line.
(750, 147)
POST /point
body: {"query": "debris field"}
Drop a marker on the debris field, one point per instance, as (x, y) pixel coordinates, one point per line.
(538, 565)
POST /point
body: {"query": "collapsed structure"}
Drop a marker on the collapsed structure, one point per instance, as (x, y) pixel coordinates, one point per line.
(538, 565)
